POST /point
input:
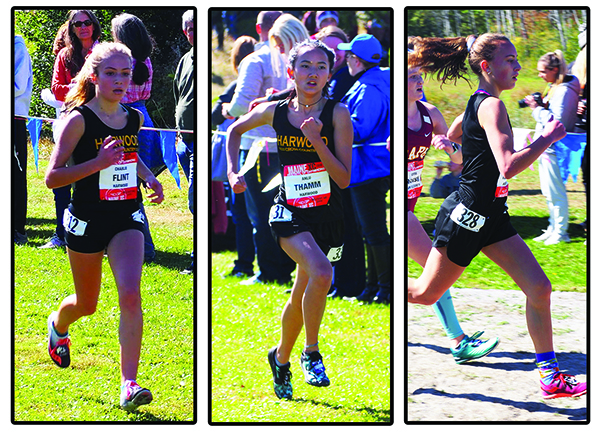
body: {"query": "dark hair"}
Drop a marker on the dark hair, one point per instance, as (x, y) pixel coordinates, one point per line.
(242, 47)
(130, 30)
(331, 31)
(313, 44)
(447, 56)
(75, 59)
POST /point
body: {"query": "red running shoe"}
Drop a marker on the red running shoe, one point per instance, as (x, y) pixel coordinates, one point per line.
(563, 385)
(59, 350)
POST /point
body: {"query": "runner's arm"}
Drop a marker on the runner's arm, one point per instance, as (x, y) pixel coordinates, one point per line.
(59, 174)
(493, 118)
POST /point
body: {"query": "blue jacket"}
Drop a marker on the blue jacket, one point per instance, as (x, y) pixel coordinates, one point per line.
(369, 103)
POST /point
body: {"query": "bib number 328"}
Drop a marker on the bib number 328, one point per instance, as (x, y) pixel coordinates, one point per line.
(467, 219)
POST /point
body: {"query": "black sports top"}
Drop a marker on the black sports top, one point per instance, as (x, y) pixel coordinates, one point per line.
(481, 184)
(306, 188)
(115, 186)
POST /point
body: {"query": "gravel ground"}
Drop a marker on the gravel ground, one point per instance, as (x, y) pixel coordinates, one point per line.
(503, 386)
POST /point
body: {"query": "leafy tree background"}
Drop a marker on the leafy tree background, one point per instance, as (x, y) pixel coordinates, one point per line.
(533, 32)
(39, 26)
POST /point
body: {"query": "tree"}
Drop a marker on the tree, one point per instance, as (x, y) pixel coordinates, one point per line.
(39, 26)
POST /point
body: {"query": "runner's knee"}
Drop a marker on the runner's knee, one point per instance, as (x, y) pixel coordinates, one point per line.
(130, 301)
(540, 293)
(87, 308)
(322, 275)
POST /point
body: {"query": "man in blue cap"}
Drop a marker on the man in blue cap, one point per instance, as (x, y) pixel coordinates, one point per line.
(369, 103)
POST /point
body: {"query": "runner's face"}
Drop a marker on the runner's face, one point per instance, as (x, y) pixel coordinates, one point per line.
(113, 77)
(415, 84)
(311, 71)
(505, 67)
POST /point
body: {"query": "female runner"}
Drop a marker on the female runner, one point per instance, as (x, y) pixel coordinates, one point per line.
(426, 128)
(99, 140)
(314, 140)
(475, 218)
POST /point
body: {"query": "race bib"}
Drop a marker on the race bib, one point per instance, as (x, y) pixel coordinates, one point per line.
(73, 225)
(306, 185)
(467, 219)
(335, 254)
(279, 213)
(415, 185)
(119, 181)
(501, 187)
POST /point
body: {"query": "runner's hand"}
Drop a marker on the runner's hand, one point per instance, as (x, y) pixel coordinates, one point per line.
(157, 195)
(237, 183)
(110, 152)
(441, 142)
(554, 130)
(311, 128)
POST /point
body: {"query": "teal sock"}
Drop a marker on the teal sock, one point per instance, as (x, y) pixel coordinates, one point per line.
(547, 364)
(444, 309)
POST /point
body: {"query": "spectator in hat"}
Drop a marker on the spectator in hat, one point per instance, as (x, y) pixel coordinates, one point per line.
(327, 18)
(369, 103)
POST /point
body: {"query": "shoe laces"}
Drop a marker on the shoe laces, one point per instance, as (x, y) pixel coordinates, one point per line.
(64, 342)
(567, 379)
(316, 362)
(284, 375)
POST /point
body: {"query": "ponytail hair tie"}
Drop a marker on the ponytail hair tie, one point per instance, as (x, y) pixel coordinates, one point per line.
(470, 41)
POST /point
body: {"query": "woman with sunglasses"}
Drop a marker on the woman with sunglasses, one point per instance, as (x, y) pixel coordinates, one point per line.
(82, 34)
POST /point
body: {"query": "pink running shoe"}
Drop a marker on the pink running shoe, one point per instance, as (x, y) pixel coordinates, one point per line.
(563, 385)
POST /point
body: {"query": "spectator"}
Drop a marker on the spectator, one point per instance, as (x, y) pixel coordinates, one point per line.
(183, 89)
(23, 84)
(327, 18)
(560, 103)
(130, 30)
(82, 35)
(444, 186)
(259, 72)
(244, 264)
(369, 103)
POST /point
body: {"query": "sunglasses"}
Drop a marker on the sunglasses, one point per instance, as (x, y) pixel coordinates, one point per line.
(86, 23)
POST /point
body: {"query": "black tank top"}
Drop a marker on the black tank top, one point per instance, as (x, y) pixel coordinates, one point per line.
(306, 187)
(482, 188)
(116, 186)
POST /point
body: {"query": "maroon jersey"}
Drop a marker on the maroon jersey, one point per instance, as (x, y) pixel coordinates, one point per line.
(417, 147)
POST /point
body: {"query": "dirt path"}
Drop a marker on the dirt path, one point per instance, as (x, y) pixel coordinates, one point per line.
(502, 386)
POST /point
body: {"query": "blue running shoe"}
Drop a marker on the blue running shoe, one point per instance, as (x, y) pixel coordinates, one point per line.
(313, 368)
(282, 376)
(471, 348)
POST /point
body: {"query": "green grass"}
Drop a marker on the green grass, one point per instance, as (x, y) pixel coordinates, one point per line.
(354, 340)
(89, 389)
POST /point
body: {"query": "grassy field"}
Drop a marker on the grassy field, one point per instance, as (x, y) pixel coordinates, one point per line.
(89, 389)
(355, 342)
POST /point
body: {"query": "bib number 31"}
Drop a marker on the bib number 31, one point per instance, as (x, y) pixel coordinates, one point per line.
(467, 219)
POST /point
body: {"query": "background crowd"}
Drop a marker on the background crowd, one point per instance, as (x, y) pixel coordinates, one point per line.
(361, 80)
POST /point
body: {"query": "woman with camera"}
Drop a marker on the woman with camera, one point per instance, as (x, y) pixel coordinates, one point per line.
(559, 103)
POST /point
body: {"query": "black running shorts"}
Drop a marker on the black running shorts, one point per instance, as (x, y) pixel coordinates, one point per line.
(329, 236)
(461, 242)
(89, 231)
